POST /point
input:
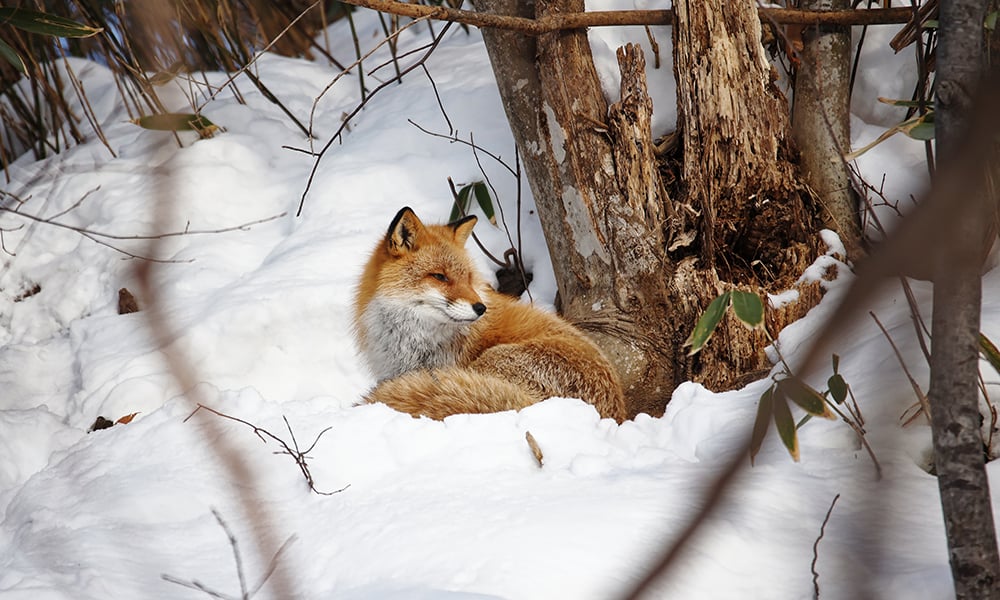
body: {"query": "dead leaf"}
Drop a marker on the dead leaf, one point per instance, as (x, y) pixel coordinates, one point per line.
(126, 419)
(126, 302)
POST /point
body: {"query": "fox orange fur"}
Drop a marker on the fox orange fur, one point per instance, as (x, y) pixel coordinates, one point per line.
(440, 341)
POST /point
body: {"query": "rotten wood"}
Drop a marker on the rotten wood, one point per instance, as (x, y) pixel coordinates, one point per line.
(756, 227)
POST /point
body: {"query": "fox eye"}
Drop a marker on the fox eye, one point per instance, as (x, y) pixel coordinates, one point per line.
(439, 276)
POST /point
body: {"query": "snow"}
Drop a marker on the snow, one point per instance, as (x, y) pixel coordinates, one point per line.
(432, 510)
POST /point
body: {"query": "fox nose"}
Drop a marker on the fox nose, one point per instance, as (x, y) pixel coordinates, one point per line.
(479, 307)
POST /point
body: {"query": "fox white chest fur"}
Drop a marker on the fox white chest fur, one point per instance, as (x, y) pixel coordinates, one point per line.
(401, 336)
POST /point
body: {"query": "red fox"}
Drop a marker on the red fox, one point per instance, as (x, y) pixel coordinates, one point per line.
(440, 341)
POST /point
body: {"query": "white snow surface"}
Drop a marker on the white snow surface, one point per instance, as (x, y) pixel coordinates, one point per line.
(431, 510)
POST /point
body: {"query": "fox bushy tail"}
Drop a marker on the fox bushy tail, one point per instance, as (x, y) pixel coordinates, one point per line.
(438, 393)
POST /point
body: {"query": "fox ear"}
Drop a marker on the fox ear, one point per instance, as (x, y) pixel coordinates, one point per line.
(463, 228)
(404, 231)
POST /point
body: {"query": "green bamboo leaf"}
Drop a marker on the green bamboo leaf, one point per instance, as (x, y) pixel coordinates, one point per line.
(805, 396)
(991, 20)
(177, 122)
(45, 24)
(837, 387)
(12, 57)
(785, 425)
(484, 201)
(748, 308)
(706, 324)
(765, 408)
(921, 131)
(920, 127)
(989, 351)
(460, 207)
(898, 102)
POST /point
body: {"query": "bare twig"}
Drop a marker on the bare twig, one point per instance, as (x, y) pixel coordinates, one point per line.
(197, 585)
(157, 236)
(452, 137)
(437, 96)
(134, 255)
(654, 46)
(822, 530)
(72, 207)
(921, 397)
(299, 456)
(918, 321)
(236, 552)
(99, 237)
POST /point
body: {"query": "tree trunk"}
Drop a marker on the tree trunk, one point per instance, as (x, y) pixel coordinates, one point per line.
(601, 223)
(606, 215)
(821, 122)
(756, 225)
(954, 394)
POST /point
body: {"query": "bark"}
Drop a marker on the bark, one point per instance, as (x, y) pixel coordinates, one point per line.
(954, 395)
(821, 122)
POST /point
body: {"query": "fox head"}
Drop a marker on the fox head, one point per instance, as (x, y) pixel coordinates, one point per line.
(426, 269)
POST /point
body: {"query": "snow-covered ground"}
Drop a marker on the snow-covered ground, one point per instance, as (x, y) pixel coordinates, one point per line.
(453, 509)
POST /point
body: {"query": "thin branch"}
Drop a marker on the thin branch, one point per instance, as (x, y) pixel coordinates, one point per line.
(557, 22)
(159, 236)
(918, 321)
(437, 96)
(95, 236)
(75, 205)
(273, 565)
(921, 397)
(319, 156)
(453, 137)
(520, 238)
(132, 254)
(822, 531)
(196, 585)
(236, 552)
